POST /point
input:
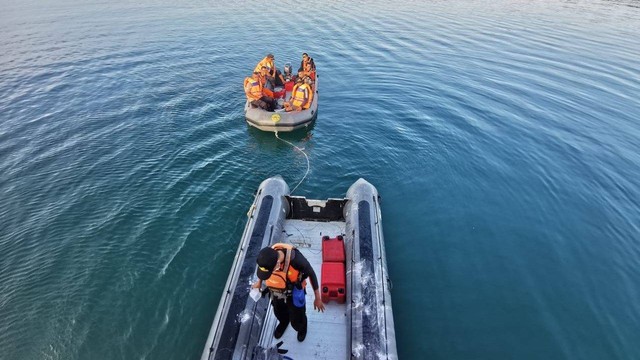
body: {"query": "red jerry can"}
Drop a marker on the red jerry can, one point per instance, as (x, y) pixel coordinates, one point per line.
(333, 249)
(333, 282)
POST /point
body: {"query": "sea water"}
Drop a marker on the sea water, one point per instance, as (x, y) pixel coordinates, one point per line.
(502, 136)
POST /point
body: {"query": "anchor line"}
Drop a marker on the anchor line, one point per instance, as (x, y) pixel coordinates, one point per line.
(303, 153)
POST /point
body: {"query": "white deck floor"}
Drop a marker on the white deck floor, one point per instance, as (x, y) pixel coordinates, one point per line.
(327, 332)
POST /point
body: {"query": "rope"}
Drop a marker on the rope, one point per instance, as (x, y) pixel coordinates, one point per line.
(306, 157)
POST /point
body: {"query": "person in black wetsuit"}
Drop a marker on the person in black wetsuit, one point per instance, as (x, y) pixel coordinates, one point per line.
(284, 271)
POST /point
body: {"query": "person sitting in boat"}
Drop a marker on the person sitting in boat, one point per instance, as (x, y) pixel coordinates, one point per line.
(267, 86)
(301, 96)
(308, 74)
(284, 270)
(253, 90)
(274, 77)
(306, 59)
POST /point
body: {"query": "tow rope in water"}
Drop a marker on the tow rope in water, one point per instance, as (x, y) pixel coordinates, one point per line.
(306, 157)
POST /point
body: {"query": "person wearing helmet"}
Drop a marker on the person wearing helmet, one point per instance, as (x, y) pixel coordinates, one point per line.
(284, 270)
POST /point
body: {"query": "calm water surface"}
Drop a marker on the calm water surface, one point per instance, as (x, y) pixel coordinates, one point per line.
(502, 135)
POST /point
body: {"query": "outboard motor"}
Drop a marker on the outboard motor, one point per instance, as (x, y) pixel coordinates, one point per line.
(288, 76)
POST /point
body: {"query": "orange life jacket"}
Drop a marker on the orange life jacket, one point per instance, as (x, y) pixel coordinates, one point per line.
(302, 95)
(263, 81)
(311, 73)
(282, 278)
(268, 63)
(253, 88)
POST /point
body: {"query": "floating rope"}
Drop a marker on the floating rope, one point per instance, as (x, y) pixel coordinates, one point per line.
(303, 153)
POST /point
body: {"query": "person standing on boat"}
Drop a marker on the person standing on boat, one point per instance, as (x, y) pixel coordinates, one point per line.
(253, 90)
(284, 270)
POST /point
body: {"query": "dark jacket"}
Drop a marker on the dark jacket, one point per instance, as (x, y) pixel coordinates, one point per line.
(313, 65)
(300, 263)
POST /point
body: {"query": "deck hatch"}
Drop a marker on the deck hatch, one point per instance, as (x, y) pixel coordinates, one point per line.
(313, 210)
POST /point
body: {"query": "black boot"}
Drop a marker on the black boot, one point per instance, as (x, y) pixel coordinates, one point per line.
(280, 330)
(302, 335)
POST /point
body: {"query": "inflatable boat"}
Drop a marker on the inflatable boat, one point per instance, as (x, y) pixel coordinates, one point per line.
(280, 120)
(358, 320)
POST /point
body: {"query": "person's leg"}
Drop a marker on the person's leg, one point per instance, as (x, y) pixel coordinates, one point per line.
(264, 105)
(278, 79)
(270, 102)
(281, 311)
(273, 81)
(269, 83)
(258, 103)
(298, 316)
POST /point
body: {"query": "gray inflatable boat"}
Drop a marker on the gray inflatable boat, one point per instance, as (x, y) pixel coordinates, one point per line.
(360, 328)
(280, 120)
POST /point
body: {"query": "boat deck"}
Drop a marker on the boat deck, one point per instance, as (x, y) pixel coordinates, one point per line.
(327, 331)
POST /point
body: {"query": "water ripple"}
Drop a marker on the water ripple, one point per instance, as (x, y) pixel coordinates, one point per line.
(502, 136)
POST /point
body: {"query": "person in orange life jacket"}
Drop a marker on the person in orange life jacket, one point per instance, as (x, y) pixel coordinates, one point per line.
(267, 87)
(283, 267)
(264, 76)
(301, 96)
(267, 82)
(254, 91)
(308, 72)
(273, 75)
(306, 60)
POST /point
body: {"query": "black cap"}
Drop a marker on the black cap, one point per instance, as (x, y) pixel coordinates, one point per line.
(267, 260)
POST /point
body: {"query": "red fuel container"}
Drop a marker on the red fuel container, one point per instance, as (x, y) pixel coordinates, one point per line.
(333, 282)
(279, 92)
(333, 249)
(288, 86)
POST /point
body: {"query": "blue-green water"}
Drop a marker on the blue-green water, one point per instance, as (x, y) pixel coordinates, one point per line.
(502, 135)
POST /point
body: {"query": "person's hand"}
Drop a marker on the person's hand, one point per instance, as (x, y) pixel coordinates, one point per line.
(318, 305)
